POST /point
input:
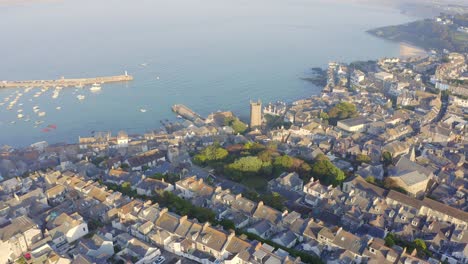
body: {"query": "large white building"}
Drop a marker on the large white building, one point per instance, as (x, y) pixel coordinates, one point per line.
(17, 238)
(357, 124)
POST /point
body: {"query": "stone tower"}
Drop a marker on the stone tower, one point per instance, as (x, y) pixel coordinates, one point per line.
(255, 114)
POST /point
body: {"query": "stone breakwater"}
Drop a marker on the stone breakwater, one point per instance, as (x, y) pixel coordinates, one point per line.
(63, 82)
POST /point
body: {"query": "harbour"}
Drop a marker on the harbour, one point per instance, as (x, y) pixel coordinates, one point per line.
(208, 75)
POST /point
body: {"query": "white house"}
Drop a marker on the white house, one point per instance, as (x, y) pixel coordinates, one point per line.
(17, 237)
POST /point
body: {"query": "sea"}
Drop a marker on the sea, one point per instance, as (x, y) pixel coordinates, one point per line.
(210, 55)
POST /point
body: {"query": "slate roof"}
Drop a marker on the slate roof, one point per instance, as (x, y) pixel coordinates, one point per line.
(212, 238)
(168, 221)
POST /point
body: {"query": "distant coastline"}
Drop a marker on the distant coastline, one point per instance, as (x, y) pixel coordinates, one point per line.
(430, 34)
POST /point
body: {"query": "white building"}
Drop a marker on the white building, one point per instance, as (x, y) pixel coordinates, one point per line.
(358, 124)
(17, 238)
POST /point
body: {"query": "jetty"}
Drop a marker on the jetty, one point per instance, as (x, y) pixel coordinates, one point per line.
(186, 113)
(64, 82)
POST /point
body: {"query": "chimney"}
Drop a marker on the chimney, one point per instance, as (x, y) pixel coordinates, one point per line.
(260, 203)
(163, 211)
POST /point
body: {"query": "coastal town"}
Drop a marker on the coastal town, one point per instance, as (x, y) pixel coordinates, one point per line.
(371, 170)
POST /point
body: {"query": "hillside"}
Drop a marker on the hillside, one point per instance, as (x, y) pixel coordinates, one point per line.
(428, 34)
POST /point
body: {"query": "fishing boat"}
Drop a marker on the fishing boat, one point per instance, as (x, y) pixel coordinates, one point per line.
(143, 110)
(41, 114)
(38, 122)
(80, 97)
(58, 107)
(20, 116)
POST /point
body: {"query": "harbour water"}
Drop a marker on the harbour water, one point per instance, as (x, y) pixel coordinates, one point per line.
(209, 55)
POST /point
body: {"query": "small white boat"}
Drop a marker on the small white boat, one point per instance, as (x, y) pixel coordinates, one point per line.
(19, 110)
(41, 114)
(95, 88)
(12, 122)
(20, 116)
(157, 77)
(35, 107)
(80, 97)
(58, 107)
(38, 122)
(143, 110)
(55, 95)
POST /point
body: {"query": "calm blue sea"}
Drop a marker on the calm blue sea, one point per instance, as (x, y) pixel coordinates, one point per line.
(208, 54)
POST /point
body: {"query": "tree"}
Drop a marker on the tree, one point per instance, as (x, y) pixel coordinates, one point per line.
(390, 240)
(284, 162)
(274, 200)
(361, 158)
(210, 154)
(265, 156)
(387, 158)
(324, 116)
(247, 164)
(126, 188)
(342, 111)
(327, 173)
(370, 179)
(238, 126)
(420, 244)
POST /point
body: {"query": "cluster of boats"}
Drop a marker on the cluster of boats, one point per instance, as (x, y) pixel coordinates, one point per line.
(12, 100)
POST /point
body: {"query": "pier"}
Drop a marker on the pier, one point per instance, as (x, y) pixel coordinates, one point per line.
(63, 82)
(186, 113)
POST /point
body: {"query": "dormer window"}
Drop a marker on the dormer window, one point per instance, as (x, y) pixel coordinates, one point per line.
(403, 217)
